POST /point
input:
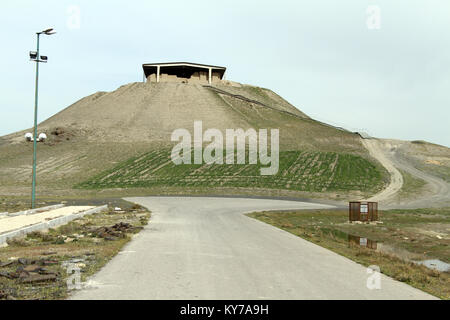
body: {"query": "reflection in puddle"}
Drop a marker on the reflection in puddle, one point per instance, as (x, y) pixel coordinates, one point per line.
(435, 264)
(363, 242)
(405, 255)
(355, 240)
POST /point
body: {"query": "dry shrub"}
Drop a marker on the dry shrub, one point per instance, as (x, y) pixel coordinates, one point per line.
(136, 207)
(18, 242)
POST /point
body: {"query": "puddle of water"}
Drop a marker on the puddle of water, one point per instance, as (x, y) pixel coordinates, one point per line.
(359, 241)
(405, 255)
(362, 242)
(435, 264)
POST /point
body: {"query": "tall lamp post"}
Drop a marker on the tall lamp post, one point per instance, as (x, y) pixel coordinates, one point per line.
(34, 56)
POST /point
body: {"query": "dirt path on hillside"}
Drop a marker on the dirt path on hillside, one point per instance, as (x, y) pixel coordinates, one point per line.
(436, 192)
(396, 182)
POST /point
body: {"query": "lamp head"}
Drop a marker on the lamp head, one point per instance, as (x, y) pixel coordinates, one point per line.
(48, 31)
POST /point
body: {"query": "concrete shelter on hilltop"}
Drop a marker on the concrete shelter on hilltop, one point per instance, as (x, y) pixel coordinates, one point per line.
(182, 72)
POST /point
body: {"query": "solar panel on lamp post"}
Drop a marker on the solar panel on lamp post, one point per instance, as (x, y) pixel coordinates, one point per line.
(34, 56)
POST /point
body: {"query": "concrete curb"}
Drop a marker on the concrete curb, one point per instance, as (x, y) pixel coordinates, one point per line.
(37, 210)
(49, 224)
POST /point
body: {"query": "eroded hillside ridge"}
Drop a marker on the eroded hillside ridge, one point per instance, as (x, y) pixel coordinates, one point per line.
(149, 112)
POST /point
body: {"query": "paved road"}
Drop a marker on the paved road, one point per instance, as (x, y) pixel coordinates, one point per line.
(205, 248)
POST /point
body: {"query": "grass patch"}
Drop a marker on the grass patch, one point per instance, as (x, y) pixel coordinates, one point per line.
(411, 185)
(308, 171)
(404, 235)
(89, 243)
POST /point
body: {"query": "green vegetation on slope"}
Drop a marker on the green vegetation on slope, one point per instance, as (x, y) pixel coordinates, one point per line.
(298, 170)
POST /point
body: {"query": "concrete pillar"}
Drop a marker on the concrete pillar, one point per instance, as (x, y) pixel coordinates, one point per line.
(209, 75)
(158, 68)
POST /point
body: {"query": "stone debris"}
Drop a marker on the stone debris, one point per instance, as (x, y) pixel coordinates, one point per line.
(5, 264)
(30, 276)
(7, 294)
(30, 268)
(30, 271)
(114, 232)
(48, 262)
(33, 278)
(69, 239)
(5, 274)
(48, 253)
(3, 294)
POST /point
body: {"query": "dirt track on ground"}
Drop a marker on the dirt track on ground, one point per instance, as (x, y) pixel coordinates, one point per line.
(389, 153)
(396, 182)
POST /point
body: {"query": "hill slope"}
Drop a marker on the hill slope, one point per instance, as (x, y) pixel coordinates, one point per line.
(149, 112)
(106, 129)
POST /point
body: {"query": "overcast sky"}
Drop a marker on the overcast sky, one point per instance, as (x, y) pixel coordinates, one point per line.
(392, 82)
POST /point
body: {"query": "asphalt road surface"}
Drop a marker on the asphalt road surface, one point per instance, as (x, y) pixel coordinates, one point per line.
(206, 248)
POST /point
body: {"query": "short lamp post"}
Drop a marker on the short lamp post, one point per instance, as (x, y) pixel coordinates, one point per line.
(34, 56)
